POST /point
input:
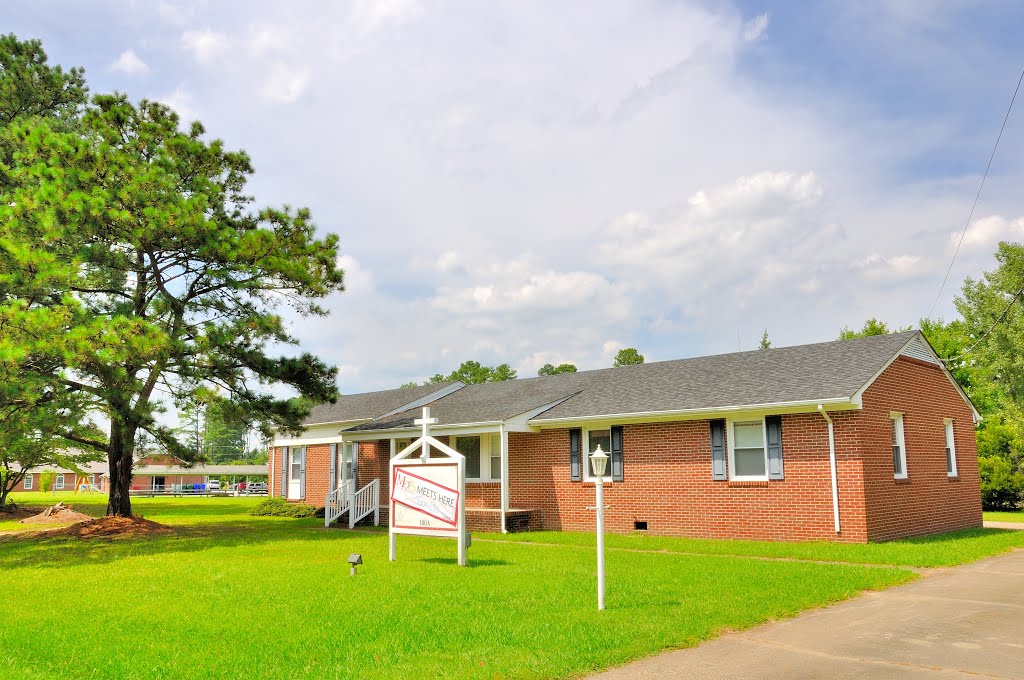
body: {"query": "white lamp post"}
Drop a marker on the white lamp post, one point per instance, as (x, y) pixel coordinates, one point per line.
(599, 461)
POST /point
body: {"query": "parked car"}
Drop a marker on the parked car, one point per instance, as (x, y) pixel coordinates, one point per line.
(257, 487)
(213, 485)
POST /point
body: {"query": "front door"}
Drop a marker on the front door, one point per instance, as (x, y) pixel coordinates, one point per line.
(295, 473)
(158, 483)
(348, 465)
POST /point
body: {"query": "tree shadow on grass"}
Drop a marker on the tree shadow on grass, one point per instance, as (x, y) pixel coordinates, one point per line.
(40, 551)
(472, 562)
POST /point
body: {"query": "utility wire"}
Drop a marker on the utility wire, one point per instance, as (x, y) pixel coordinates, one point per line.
(999, 320)
(976, 197)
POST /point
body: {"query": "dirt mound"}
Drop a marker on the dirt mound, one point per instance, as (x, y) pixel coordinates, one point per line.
(112, 527)
(57, 514)
(12, 511)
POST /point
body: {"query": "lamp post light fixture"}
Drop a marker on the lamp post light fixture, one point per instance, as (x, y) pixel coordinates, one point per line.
(599, 461)
(353, 560)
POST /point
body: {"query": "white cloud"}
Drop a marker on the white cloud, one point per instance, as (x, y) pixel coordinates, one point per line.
(891, 268)
(447, 261)
(755, 28)
(181, 101)
(517, 183)
(130, 63)
(204, 44)
(285, 84)
(986, 232)
(358, 280)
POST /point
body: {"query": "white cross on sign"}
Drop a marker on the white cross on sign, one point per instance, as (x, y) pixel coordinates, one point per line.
(426, 421)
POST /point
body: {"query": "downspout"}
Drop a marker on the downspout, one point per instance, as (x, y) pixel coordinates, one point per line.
(503, 443)
(832, 463)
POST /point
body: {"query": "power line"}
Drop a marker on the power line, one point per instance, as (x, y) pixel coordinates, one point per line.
(977, 196)
(999, 320)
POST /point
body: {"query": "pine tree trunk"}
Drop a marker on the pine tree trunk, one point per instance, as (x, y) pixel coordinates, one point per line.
(119, 459)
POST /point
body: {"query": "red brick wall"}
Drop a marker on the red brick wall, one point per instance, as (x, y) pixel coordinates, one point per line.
(668, 484)
(928, 501)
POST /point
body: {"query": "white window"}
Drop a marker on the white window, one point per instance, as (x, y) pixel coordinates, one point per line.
(950, 449)
(595, 438)
(60, 482)
(400, 445)
(483, 457)
(27, 483)
(899, 447)
(748, 455)
(495, 457)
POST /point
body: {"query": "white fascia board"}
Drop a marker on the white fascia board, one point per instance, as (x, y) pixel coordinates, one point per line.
(414, 431)
(835, 404)
(858, 397)
(423, 401)
(320, 433)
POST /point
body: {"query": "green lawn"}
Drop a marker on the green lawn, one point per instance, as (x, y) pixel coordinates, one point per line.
(943, 550)
(1012, 516)
(233, 595)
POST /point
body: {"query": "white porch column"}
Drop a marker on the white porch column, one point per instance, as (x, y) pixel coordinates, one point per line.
(504, 476)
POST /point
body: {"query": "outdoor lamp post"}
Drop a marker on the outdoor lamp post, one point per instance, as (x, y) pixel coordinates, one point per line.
(599, 461)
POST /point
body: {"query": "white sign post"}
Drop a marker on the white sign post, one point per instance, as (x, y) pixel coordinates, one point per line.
(428, 495)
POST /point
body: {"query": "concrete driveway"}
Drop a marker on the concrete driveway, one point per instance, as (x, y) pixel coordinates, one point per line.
(962, 622)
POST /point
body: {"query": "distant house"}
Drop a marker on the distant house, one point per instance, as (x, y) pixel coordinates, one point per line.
(857, 440)
(65, 479)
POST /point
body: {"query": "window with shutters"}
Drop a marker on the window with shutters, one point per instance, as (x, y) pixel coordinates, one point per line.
(899, 447)
(950, 449)
(591, 440)
(748, 454)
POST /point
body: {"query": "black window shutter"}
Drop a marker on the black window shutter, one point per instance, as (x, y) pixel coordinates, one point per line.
(718, 469)
(575, 444)
(616, 453)
(774, 426)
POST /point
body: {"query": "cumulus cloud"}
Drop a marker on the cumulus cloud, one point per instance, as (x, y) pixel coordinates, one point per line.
(204, 44)
(530, 184)
(986, 232)
(755, 28)
(285, 84)
(130, 63)
(181, 101)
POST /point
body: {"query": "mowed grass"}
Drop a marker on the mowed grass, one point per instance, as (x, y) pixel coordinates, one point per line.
(229, 595)
(1006, 516)
(941, 550)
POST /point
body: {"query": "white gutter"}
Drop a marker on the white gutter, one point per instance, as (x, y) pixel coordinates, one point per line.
(694, 412)
(832, 462)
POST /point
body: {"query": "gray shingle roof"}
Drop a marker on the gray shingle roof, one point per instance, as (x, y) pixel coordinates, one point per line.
(821, 371)
(804, 373)
(368, 404)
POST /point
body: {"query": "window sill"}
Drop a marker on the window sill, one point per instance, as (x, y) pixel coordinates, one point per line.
(748, 482)
(494, 482)
(901, 480)
(953, 478)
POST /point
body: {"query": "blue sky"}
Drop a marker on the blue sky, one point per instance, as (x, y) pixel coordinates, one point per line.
(541, 182)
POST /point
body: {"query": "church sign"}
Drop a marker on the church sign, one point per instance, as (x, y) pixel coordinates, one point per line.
(428, 494)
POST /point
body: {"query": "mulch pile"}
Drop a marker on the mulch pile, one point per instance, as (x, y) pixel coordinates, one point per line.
(56, 514)
(112, 527)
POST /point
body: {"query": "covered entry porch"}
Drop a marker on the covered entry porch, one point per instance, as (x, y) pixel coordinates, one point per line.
(485, 448)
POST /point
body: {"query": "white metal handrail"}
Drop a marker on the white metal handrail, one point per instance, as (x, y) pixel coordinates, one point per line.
(363, 502)
(336, 503)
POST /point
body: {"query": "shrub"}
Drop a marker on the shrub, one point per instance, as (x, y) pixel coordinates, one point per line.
(1002, 487)
(279, 507)
(46, 480)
